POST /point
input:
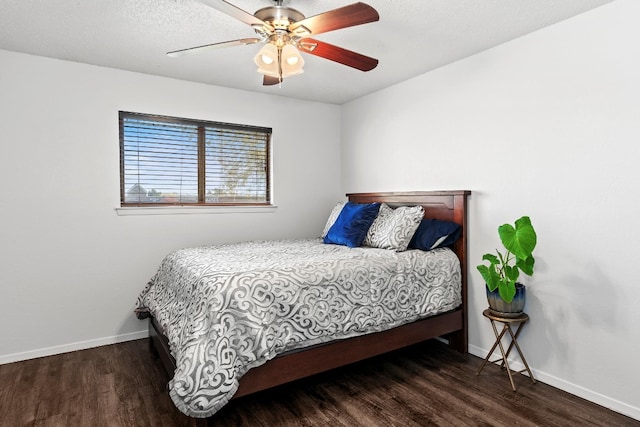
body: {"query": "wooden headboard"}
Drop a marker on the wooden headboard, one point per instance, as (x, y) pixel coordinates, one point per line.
(443, 205)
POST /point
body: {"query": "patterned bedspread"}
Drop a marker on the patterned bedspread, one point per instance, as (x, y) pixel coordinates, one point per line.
(228, 308)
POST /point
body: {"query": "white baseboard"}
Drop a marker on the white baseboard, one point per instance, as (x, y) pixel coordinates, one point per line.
(576, 390)
(81, 345)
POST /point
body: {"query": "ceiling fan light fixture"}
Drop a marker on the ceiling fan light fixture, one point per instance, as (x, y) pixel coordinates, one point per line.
(279, 64)
(292, 61)
(267, 60)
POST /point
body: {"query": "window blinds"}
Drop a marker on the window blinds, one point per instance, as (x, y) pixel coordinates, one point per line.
(171, 161)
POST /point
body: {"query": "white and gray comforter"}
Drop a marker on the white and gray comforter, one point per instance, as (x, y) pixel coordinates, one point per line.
(228, 308)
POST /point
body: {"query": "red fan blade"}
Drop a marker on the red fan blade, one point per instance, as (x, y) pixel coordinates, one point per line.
(234, 11)
(343, 17)
(270, 81)
(337, 54)
(198, 49)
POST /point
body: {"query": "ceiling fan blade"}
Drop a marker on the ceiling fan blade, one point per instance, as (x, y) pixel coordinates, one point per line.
(270, 81)
(199, 49)
(234, 11)
(343, 17)
(337, 54)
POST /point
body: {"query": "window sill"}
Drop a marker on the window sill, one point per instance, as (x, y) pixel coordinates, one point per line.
(190, 210)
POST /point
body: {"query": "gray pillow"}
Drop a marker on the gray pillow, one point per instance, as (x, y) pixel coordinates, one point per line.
(332, 218)
(394, 228)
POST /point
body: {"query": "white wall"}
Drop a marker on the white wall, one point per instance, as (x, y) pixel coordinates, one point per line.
(548, 126)
(71, 268)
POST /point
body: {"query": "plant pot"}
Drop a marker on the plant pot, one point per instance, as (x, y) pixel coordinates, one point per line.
(500, 307)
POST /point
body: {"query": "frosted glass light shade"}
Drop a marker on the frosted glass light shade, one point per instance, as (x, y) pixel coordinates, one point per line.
(267, 61)
(292, 61)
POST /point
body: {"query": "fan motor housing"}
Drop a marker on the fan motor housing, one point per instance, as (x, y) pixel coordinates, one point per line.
(279, 16)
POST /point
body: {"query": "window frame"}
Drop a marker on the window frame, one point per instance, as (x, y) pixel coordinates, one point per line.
(201, 161)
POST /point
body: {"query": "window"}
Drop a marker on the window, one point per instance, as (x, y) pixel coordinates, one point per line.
(172, 161)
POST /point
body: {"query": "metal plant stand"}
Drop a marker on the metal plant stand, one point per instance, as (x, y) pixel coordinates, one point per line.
(520, 320)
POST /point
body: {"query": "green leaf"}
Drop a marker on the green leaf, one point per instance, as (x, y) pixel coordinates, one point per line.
(520, 240)
(526, 265)
(491, 258)
(490, 276)
(507, 290)
(511, 273)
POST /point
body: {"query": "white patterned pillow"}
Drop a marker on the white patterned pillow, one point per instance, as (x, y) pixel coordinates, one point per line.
(332, 217)
(394, 228)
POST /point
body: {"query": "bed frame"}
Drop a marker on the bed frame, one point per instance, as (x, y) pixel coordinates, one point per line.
(452, 325)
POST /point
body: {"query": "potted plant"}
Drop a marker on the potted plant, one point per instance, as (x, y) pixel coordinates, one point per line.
(504, 293)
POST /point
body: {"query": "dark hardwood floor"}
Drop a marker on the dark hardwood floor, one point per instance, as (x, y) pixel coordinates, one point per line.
(425, 385)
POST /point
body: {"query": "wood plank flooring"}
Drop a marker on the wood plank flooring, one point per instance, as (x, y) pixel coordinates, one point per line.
(425, 385)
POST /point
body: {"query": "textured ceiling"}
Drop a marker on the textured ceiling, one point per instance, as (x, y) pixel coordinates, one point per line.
(411, 38)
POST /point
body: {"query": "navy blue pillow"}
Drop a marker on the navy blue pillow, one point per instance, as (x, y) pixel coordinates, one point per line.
(434, 233)
(352, 224)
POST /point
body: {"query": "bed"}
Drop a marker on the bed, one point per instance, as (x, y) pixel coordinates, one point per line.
(317, 351)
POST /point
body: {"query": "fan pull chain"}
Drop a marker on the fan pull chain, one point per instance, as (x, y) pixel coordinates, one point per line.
(280, 67)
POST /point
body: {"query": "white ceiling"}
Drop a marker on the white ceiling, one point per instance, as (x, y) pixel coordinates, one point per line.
(411, 38)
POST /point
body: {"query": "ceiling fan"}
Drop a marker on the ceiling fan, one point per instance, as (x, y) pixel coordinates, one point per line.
(285, 32)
